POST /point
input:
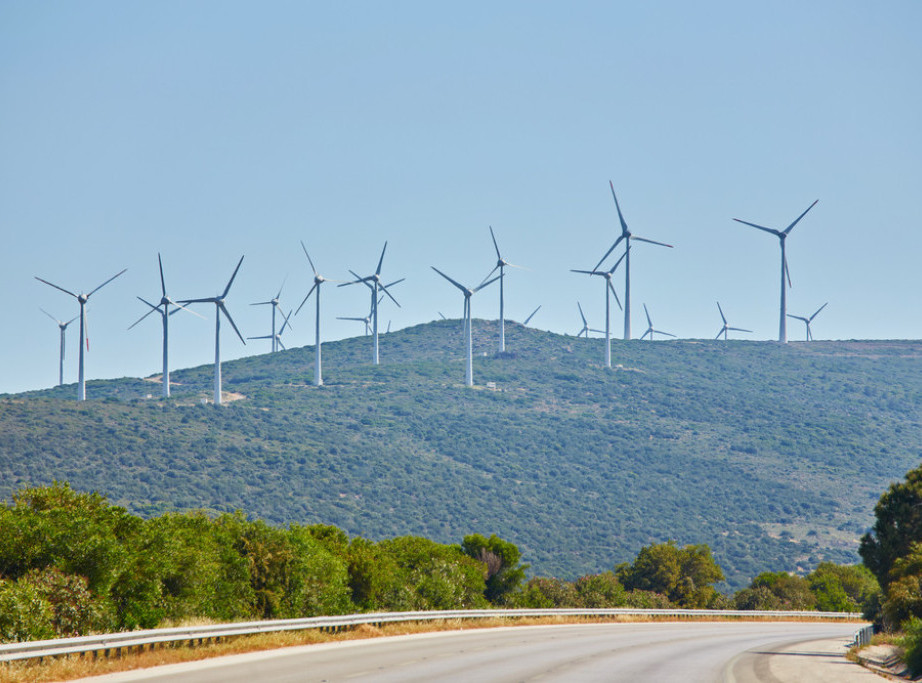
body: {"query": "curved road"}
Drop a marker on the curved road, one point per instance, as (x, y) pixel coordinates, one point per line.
(690, 651)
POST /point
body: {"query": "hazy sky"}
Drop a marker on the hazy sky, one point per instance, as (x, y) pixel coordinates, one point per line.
(210, 130)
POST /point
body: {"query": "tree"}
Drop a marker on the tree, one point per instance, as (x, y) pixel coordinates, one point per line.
(684, 575)
(898, 525)
(503, 573)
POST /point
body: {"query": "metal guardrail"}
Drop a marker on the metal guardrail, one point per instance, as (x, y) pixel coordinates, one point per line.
(116, 642)
(863, 636)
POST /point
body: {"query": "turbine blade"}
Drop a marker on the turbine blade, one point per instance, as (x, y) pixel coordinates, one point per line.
(384, 289)
(395, 282)
(105, 283)
(162, 281)
(668, 334)
(791, 226)
(787, 271)
(49, 315)
(284, 279)
(208, 300)
(309, 292)
(585, 272)
(381, 260)
(739, 329)
(279, 342)
(489, 274)
(454, 282)
(308, 258)
(287, 322)
(644, 239)
(66, 291)
(495, 246)
(720, 333)
(624, 230)
(229, 283)
(153, 308)
(231, 320)
(361, 320)
(486, 284)
(610, 250)
(528, 319)
(759, 227)
(618, 262)
(265, 336)
(187, 310)
(818, 311)
(262, 303)
(649, 322)
(71, 320)
(798, 317)
(617, 300)
(441, 316)
(722, 316)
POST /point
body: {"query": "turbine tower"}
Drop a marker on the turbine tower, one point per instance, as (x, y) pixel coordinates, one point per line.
(165, 302)
(374, 282)
(650, 329)
(627, 236)
(609, 289)
(726, 328)
(84, 339)
(809, 320)
(501, 264)
(63, 327)
(318, 280)
(782, 236)
(274, 302)
(468, 293)
(219, 307)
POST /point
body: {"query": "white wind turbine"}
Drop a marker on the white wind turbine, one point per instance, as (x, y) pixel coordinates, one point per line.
(627, 236)
(63, 327)
(274, 302)
(809, 320)
(785, 273)
(366, 320)
(318, 280)
(374, 282)
(276, 337)
(726, 328)
(82, 299)
(650, 329)
(501, 264)
(218, 301)
(165, 302)
(584, 331)
(468, 293)
(609, 289)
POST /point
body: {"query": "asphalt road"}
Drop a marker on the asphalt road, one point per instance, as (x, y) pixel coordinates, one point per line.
(691, 651)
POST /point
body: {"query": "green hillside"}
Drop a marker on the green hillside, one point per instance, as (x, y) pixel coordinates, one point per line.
(774, 455)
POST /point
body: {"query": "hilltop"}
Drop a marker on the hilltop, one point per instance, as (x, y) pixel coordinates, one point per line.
(772, 454)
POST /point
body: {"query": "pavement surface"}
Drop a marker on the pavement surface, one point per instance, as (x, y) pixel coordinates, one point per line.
(726, 652)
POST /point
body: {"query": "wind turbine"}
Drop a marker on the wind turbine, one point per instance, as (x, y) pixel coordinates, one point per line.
(318, 280)
(528, 319)
(276, 337)
(82, 299)
(650, 329)
(785, 273)
(609, 288)
(809, 320)
(274, 302)
(501, 264)
(468, 293)
(726, 328)
(63, 328)
(166, 302)
(627, 236)
(374, 282)
(585, 328)
(218, 302)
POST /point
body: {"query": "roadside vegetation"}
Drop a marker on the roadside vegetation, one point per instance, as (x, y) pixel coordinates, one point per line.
(71, 563)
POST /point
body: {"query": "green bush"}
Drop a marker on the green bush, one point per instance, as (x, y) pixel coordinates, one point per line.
(911, 642)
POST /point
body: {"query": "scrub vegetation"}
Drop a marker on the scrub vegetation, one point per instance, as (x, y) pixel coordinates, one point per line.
(772, 455)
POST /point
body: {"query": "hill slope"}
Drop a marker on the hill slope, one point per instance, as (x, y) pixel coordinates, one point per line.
(772, 454)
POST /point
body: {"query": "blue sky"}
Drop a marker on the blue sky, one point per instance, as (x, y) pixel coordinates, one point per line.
(211, 130)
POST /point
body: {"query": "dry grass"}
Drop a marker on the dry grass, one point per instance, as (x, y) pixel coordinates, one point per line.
(77, 666)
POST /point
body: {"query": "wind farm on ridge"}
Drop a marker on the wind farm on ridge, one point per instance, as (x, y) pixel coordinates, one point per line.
(379, 292)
